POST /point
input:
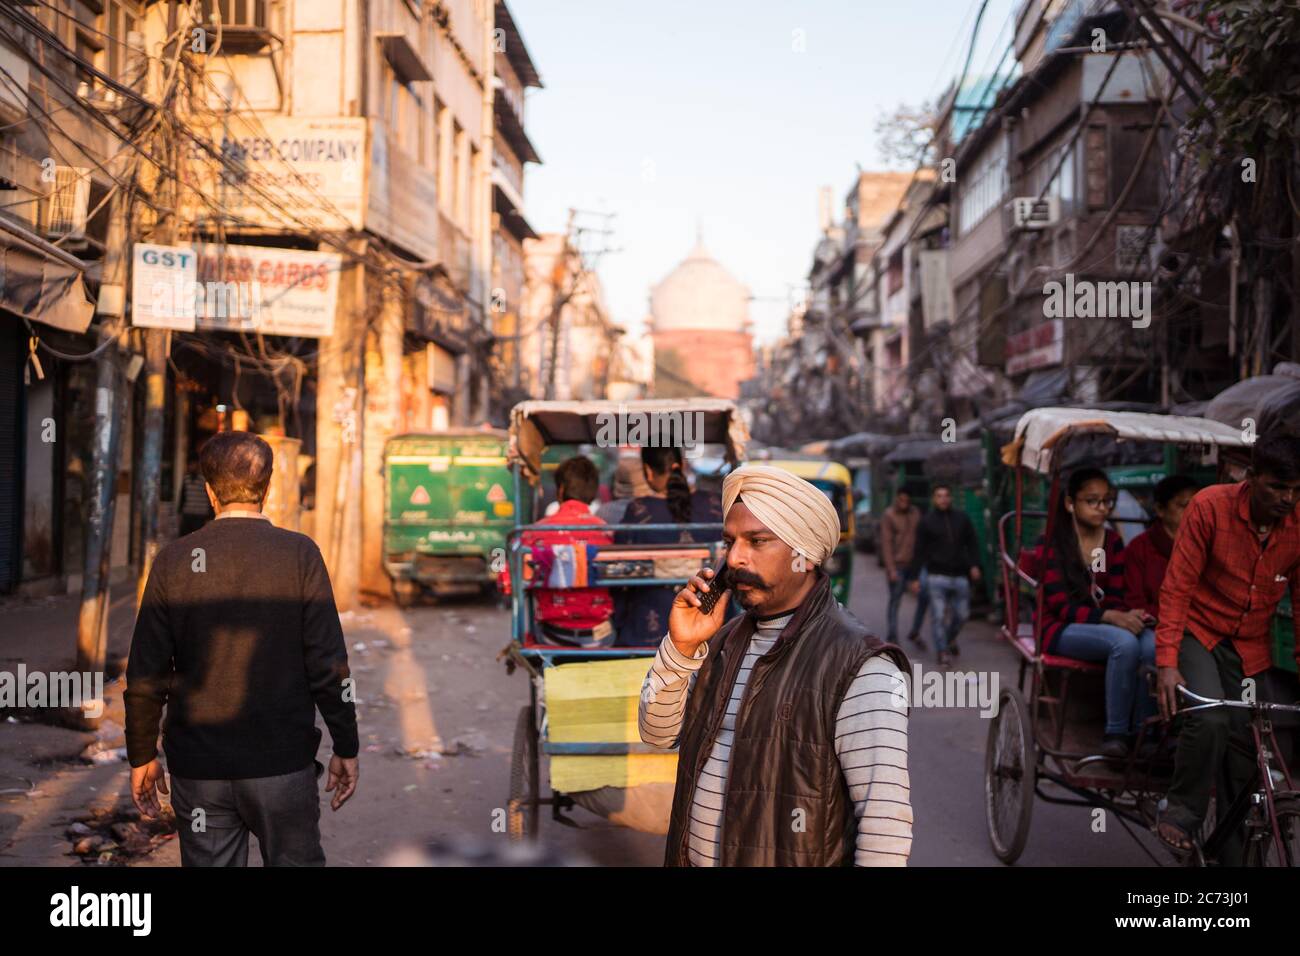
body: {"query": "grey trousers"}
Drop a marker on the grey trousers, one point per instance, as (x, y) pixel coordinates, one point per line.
(214, 818)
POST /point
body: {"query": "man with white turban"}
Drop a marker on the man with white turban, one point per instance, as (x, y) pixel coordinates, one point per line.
(791, 719)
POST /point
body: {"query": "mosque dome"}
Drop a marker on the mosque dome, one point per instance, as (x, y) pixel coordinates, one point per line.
(700, 294)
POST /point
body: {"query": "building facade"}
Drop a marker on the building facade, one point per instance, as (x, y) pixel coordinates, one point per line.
(366, 208)
(700, 328)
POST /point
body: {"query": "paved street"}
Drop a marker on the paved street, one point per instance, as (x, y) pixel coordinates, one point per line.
(456, 795)
(437, 715)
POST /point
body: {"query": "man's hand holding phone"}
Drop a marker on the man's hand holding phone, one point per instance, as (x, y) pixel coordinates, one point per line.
(688, 626)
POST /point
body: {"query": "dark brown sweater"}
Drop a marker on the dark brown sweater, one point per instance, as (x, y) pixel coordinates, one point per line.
(239, 637)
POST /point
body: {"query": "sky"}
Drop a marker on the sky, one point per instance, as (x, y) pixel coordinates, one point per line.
(727, 116)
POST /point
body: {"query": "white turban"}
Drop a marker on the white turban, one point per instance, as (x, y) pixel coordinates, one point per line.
(793, 509)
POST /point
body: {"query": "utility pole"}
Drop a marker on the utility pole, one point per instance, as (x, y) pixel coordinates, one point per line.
(559, 299)
(562, 291)
(110, 406)
(155, 366)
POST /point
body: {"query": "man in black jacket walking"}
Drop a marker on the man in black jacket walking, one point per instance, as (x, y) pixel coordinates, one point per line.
(946, 549)
(238, 636)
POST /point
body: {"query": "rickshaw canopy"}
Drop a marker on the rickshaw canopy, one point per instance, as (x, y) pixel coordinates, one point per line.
(1041, 430)
(537, 424)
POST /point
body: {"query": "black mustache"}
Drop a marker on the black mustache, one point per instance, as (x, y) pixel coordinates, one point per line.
(740, 576)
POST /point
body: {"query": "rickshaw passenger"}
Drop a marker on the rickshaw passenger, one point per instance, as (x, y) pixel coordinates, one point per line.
(1086, 617)
(1146, 558)
(641, 613)
(629, 483)
(574, 616)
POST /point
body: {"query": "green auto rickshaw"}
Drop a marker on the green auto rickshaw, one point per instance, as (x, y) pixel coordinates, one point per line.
(449, 509)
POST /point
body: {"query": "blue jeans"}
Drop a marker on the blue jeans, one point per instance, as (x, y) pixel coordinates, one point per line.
(948, 593)
(896, 590)
(1124, 653)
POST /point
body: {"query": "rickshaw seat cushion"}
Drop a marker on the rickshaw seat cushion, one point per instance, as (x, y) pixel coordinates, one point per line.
(1025, 643)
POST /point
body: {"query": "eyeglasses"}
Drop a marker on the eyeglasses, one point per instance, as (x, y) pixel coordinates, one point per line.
(1107, 503)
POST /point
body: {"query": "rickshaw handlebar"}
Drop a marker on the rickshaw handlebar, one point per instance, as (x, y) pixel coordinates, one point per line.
(1209, 703)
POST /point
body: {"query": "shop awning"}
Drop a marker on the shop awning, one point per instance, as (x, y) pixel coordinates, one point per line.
(41, 282)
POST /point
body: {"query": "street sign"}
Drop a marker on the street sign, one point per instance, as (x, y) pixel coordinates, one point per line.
(1042, 346)
(273, 291)
(163, 283)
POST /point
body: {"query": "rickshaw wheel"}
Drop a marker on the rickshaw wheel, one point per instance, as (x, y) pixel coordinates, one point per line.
(521, 811)
(1010, 771)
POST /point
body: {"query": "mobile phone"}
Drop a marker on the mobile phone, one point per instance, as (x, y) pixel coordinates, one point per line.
(717, 585)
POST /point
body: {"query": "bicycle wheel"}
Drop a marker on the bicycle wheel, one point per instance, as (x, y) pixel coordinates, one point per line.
(1261, 847)
(1010, 768)
(525, 795)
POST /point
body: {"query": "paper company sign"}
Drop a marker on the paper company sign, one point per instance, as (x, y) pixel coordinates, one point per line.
(1039, 347)
(313, 168)
(272, 291)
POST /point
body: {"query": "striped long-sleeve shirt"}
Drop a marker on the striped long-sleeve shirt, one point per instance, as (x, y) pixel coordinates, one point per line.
(870, 742)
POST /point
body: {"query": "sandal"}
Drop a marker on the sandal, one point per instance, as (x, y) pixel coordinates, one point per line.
(1182, 853)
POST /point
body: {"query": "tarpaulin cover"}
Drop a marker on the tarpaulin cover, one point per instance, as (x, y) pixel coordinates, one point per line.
(1268, 400)
(41, 282)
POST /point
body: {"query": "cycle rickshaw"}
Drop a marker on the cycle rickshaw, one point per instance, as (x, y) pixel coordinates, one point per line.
(582, 703)
(1045, 741)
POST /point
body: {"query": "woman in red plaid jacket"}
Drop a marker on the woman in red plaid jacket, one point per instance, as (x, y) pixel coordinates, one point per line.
(1085, 614)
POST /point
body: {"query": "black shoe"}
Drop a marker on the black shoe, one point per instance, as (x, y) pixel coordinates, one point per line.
(1115, 746)
(915, 637)
(954, 650)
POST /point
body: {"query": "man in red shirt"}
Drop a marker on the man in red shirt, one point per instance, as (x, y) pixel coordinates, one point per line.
(1236, 553)
(574, 616)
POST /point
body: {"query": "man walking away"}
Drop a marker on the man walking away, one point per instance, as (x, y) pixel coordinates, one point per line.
(238, 636)
(1236, 554)
(946, 550)
(897, 546)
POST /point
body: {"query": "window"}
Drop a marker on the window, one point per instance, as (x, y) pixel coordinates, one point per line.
(985, 187)
(237, 13)
(1063, 184)
(402, 110)
(88, 48)
(118, 20)
(1126, 143)
(459, 174)
(57, 17)
(446, 166)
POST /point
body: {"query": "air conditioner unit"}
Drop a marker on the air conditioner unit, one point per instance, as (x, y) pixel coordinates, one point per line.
(63, 211)
(1028, 212)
